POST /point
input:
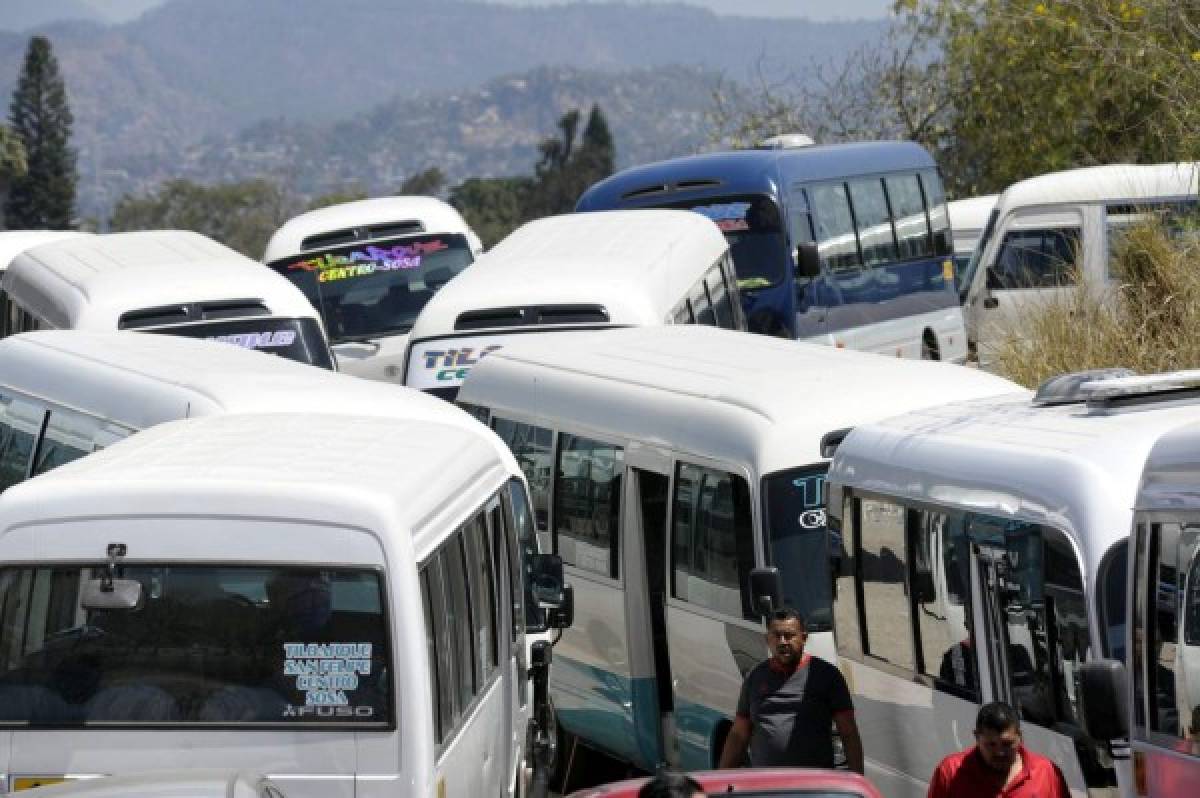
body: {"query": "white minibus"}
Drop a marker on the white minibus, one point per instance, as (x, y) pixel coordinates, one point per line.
(577, 271)
(67, 393)
(334, 601)
(162, 281)
(669, 467)
(14, 242)
(1046, 232)
(369, 267)
(985, 558)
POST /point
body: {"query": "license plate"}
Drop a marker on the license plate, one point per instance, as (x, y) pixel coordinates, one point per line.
(29, 782)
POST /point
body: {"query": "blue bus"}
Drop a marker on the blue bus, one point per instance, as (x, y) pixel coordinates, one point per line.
(846, 244)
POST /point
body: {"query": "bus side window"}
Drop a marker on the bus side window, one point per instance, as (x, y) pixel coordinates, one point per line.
(846, 625)
(448, 707)
(534, 449)
(682, 314)
(873, 221)
(478, 412)
(1036, 259)
(481, 582)
(20, 426)
(520, 539)
(713, 542)
(882, 555)
(836, 239)
(908, 211)
(939, 216)
(429, 595)
(940, 586)
(68, 437)
(4, 323)
(701, 307)
(721, 302)
(587, 504)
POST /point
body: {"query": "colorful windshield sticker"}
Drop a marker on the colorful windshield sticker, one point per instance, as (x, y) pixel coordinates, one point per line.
(369, 260)
(326, 672)
(258, 340)
(729, 217)
(812, 493)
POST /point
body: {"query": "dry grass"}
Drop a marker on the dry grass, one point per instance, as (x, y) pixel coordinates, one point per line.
(1149, 320)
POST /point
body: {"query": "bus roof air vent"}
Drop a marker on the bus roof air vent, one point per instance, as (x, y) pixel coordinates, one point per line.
(330, 239)
(390, 229)
(644, 191)
(703, 182)
(786, 141)
(1067, 389)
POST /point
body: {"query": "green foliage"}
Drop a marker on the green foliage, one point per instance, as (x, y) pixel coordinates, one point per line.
(492, 206)
(338, 197)
(44, 196)
(12, 156)
(428, 182)
(241, 215)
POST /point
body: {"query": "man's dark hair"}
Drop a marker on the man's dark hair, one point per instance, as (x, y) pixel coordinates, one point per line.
(997, 717)
(786, 613)
(670, 784)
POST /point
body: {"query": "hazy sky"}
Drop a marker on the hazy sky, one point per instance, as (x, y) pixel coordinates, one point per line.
(813, 9)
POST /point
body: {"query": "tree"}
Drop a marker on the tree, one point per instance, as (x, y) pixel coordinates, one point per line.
(44, 196)
(492, 206)
(12, 161)
(427, 182)
(349, 194)
(569, 164)
(241, 215)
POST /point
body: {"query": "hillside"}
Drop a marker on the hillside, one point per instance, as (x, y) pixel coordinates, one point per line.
(154, 89)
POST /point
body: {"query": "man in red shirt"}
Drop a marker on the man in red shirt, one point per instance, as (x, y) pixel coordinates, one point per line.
(998, 765)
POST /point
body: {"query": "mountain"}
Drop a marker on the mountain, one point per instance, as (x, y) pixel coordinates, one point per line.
(152, 91)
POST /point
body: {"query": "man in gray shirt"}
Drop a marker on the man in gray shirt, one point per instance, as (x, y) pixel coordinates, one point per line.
(789, 705)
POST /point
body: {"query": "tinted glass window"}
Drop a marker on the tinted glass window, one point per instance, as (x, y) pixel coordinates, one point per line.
(1112, 582)
(713, 540)
(68, 437)
(1174, 625)
(836, 239)
(701, 307)
(722, 304)
(587, 504)
(754, 229)
(295, 339)
(449, 707)
(206, 644)
(939, 579)
(1036, 259)
(939, 216)
(524, 548)
(798, 537)
(482, 580)
(20, 425)
(427, 602)
(845, 596)
(371, 290)
(908, 210)
(534, 449)
(885, 600)
(458, 617)
(873, 220)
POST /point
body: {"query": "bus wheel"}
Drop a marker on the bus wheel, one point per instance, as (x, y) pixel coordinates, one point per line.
(929, 347)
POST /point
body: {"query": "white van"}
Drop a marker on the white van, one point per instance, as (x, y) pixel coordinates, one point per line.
(986, 549)
(968, 219)
(1047, 229)
(670, 467)
(14, 242)
(67, 393)
(335, 601)
(369, 267)
(578, 271)
(163, 281)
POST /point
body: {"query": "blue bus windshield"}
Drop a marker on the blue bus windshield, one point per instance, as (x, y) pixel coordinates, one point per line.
(752, 226)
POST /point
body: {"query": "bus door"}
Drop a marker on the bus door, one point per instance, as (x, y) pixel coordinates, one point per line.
(647, 497)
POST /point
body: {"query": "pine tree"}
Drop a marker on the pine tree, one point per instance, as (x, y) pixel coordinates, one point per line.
(597, 152)
(44, 197)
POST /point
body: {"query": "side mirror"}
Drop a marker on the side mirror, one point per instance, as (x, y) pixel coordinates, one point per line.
(766, 591)
(808, 262)
(562, 616)
(110, 594)
(1104, 688)
(548, 581)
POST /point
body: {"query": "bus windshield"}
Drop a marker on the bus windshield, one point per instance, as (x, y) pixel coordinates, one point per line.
(752, 225)
(206, 644)
(366, 291)
(294, 339)
(799, 540)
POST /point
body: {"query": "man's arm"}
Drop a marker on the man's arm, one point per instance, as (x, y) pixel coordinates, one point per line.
(848, 730)
(735, 743)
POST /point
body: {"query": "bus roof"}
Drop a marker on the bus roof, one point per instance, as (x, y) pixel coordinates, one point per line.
(89, 281)
(637, 264)
(1171, 480)
(14, 242)
(762, 401)
(1102, 183)
(140, 380)
(1064, 466)
(387, 477)
(365, 220)
(740, 172)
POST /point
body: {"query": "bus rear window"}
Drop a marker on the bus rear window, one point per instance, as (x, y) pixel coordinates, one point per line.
(295, 339)
(753, 227)
(206, 645)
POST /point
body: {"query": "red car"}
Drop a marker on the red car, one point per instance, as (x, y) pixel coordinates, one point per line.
(756, 782)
